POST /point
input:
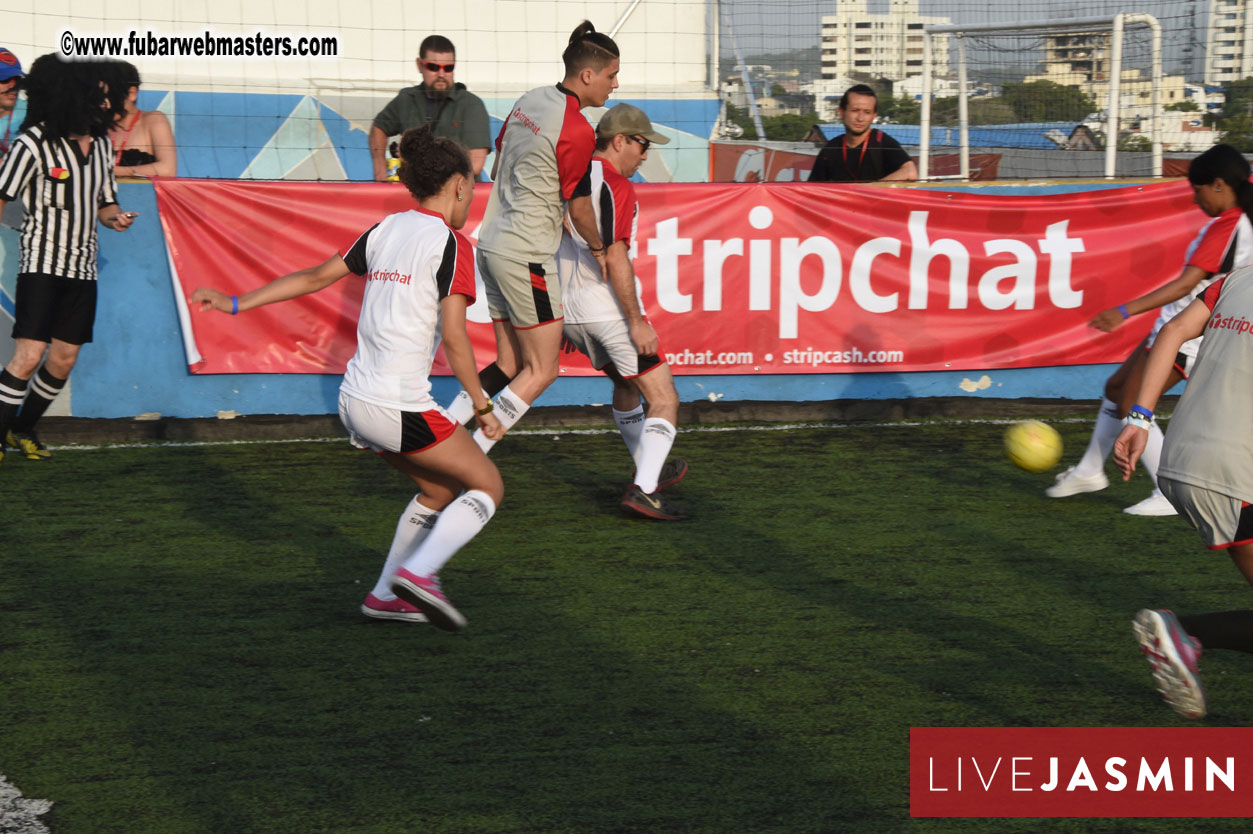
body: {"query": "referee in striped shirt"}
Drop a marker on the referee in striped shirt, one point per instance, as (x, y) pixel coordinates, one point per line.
(61, 168)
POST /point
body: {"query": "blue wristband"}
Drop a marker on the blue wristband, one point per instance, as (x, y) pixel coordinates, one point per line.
(1122, 308)
(234, 305)
(1141, 410)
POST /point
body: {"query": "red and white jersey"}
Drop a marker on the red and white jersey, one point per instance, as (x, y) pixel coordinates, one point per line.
(1224, 243)
(410, 262)
(543, 147)
(585, 295)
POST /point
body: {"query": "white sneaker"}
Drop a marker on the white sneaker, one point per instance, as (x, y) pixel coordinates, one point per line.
(1155, 504)
(1069, 483)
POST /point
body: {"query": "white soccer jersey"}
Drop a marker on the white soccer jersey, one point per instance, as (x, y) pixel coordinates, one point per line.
(410, 261)
(585, 295)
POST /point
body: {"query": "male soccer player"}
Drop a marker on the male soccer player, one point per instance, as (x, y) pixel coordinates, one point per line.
(604, 318)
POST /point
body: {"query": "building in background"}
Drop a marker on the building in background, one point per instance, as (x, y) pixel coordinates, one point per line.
(1228, 42)
(879, 45)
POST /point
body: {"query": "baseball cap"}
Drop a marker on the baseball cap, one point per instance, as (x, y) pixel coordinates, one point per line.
(10, 66)
(628, 120)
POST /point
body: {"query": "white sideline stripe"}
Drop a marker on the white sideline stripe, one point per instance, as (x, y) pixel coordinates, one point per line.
(190, 444)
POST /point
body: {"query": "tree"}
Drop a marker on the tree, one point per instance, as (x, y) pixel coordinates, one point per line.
(1186, 106)
(1239, 98)
(1135, 142)
(1047, 101)
(902, 110)
(777, 90)
(1238, 132)
(741, 117)
(787, 128)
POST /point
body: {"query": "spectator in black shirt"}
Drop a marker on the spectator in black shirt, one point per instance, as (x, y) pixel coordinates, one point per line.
(862, 153)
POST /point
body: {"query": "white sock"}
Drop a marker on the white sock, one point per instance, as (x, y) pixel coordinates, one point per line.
(458, 523)
(655, 445)
(414, 525)
(509, 410)
(631, 427)
(461, 408)
(1104, 433)
(1152, 455)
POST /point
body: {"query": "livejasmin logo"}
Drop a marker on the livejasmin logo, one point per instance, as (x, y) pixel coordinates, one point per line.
(1080, 771)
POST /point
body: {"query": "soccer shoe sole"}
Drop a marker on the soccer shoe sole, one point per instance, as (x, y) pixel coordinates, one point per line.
(439, 613)
(1178, 685)
(400, 616)
(27, 448)
(671, 473)
(1066, 487)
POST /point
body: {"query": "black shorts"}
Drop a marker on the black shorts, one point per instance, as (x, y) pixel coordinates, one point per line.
(50, 307)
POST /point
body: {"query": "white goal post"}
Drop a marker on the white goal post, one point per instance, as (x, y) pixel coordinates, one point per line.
(1115, 25)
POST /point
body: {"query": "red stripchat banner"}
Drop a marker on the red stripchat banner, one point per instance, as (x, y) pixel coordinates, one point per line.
(737, 279)
(1081, 771)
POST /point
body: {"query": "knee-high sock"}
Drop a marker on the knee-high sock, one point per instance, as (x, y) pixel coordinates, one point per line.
(654, 448)
(414, 525)
(631, 427)
(509, 410)
(1152, 455)
(1104, 433)
(12, 392)
(43, 390)
(1225, 630)
(458, 523)
(493, 380)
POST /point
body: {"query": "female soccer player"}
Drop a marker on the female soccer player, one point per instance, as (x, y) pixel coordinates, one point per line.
(418, 270)
(1220, 187)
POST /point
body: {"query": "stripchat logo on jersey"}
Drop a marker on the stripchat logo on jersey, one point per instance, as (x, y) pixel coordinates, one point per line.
(1237, 323)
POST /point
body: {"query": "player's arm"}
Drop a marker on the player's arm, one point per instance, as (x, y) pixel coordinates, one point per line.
(378, 153)
(908, 172)
(460, 354)
(292, 285)
(1109, 320)
(478, 156)
(1187, 325)
(622, 280)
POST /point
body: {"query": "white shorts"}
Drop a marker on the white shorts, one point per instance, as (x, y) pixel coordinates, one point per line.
(1187, 351)
(1220, 519)
(609, 342)
(385, 429)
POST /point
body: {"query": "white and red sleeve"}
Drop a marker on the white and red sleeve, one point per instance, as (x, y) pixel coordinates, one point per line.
(1210, 296)
(575, 146)
(1216, 251)
(455, 275)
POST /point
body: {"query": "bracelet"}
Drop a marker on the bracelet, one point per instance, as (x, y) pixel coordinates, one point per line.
(1142, 411)
(1122, 308)
(596, 251)
(487, 409)
(1138, 421)
(234, 305)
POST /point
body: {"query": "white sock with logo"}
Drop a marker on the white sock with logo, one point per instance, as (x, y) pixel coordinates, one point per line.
(655, 445)
(631, 427)
(461, 408)
(509, 410)
(1104, 433)
(414, 525)
(458, 523)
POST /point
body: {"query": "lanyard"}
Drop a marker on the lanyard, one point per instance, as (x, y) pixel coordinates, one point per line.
(4, 146)
(117, 157)
(844, 149)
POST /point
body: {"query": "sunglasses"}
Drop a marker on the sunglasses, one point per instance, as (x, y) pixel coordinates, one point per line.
(432, 67)
(645, 144)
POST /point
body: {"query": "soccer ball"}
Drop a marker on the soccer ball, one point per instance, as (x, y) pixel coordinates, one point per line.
(1032, 445)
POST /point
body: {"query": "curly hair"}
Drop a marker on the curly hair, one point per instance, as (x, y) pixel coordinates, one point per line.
(66, 97)
(428, 161)
(588, 49)
(119, 77)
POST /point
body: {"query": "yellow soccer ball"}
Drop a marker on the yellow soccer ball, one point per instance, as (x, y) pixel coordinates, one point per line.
(1032, 445)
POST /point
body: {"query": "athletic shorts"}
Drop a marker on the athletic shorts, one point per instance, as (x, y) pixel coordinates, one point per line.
(50, 307)
(526, 295)
(386, 429)
(1221, 520)
(1186, 357)
(609, 342)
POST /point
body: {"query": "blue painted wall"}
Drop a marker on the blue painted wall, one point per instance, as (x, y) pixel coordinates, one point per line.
(137, 363)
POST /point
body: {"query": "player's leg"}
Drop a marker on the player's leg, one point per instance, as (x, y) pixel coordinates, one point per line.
(494, 377)
(1156, 504)
(460, 461)
(1088, 475)
(14, 382)
(628, 412)
(540, 349)
(45, 385)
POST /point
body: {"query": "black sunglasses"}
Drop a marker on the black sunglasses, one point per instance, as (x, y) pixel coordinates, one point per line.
(433, 67)
(645, 144)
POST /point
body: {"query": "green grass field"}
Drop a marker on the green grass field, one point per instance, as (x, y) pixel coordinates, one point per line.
(182, 651)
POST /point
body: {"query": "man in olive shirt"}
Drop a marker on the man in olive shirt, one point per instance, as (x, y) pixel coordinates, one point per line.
(446, 105)
(862, 153)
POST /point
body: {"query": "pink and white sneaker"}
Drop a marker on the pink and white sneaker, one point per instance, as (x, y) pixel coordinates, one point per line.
(423, 592)
(1173, 654)
(391, 609)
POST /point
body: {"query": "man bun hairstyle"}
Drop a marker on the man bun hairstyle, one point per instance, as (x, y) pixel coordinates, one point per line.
(861, 90)
(588, 49)
(435, 43)
(428, 161)
(1223, 162)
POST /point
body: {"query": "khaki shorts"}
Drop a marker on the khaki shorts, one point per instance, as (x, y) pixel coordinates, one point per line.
(525, 295)
(609, 343)
(1220, 519)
